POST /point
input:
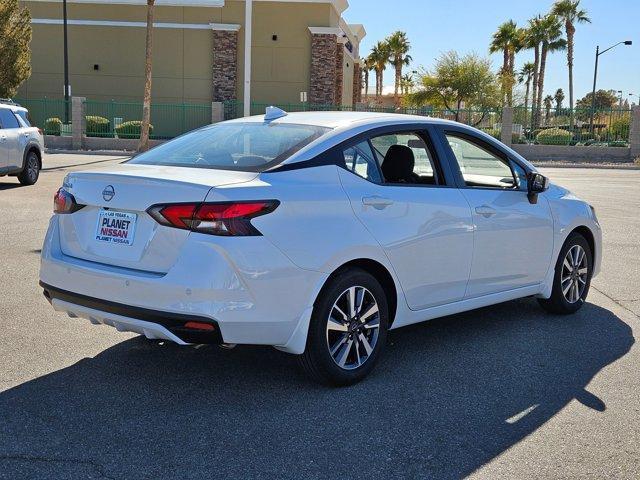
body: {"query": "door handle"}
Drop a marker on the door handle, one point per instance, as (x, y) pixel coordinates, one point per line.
(377, 202)
(486, 211)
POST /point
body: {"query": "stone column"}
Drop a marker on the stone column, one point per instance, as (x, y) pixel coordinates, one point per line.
(357, 83)
(506, 133)
(634, 133)
(339, 73)
(225, 65)
(78, 122)
(322, 87)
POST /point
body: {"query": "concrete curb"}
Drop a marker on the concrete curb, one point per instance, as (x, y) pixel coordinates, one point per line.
(117, 153)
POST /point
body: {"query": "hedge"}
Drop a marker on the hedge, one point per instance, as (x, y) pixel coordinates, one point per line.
(98, 126)
(53, 126)
(131, 129)
(554, 136)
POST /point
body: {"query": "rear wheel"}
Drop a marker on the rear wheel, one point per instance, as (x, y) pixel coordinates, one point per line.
(31, 171)
(348, 329)
(572, 277)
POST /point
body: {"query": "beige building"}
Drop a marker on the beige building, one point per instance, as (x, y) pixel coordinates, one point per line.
(201, 51)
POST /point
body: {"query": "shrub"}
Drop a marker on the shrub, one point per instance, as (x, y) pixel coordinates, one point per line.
(587, 136)
(554, 136)
(619, 128)
(131, 129)
(618, 143)
(98, 126)
(53, 126)
(494, 132)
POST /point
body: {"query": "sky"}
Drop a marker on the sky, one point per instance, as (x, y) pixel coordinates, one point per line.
(434, 27)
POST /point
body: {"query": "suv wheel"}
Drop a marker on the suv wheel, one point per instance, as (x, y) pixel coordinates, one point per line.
(572, 277)
(348, 329)
(31, 171)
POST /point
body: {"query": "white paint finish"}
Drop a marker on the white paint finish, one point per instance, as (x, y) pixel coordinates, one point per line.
(326, 31)
(248, 27)
(14, 141)
(262, 289)
(426, 232)
(110, 23)
(513, 246)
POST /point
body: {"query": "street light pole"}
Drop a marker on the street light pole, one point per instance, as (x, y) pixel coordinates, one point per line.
(66, 64)
(595, 76)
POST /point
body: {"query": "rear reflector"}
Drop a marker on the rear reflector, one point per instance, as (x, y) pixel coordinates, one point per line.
(223, 218)
(199, 326)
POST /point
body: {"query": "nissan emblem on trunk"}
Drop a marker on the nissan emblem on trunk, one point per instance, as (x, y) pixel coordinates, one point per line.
(108, 193)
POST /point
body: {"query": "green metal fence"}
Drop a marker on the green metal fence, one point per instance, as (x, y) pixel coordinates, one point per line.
(114, 119)
(610, 127)
(43, 109)
(122, 119)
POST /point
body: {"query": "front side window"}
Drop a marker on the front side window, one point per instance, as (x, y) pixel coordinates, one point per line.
(480, 167)
(360, 159)
(405, 158)
(253, 147)
(7, 119)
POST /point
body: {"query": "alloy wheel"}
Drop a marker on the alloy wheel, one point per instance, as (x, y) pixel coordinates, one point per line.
(574, 276)
(32, 168)
(353, 327)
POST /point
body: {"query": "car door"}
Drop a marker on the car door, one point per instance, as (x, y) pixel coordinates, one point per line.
(10, 139)
(424, 225)
(513, 238)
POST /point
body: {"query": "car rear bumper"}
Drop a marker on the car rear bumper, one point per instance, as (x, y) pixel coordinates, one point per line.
(153, 324)
(246, 287)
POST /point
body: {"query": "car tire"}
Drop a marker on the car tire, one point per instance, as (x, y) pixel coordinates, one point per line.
(572, 278)
(344, 350)
(31, 171)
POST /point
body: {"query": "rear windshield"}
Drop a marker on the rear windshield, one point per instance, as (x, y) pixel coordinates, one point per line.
(253, 147)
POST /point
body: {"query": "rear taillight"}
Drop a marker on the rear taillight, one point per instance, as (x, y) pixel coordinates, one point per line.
(64, 202)
(223, 218)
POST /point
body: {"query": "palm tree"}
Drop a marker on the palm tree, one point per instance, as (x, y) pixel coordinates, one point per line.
(559, 98)
(548, 104)
(525, 75)
(506, 40)
(398, 46)
(380, 57)
(146, 105)
(569, 12)
(552, 41)
(407, 84)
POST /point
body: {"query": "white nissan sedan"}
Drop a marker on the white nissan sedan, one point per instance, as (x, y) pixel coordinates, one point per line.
(315, 233)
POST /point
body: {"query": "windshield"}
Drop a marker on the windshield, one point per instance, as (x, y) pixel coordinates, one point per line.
(251, 147)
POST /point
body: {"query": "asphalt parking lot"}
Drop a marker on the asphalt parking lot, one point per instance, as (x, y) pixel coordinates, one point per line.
(501, 392)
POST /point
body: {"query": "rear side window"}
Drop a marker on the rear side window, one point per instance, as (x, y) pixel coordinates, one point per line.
(7, 119)
(360, 159)
(253, 147)
(25, 117)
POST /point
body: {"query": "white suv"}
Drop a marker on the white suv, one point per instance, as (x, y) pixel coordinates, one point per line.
(21, 145)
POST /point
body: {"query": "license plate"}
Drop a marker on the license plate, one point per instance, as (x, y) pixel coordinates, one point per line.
(116, 227)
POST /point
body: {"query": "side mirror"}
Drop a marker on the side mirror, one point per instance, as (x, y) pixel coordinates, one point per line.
(537, 183)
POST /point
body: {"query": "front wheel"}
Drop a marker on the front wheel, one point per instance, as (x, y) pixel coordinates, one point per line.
(572, 279)
(348, 329)
(31, 171)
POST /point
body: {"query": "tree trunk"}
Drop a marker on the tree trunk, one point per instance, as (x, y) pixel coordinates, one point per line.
(534, 97)
(398, 81)
(146, 105)
(570, 32)
(512, 60)
(543, 63)
(505, 69)
(526, 102)
(366, 83)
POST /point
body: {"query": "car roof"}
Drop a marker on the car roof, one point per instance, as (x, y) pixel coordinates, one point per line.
(331, 119)
(12, 106)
